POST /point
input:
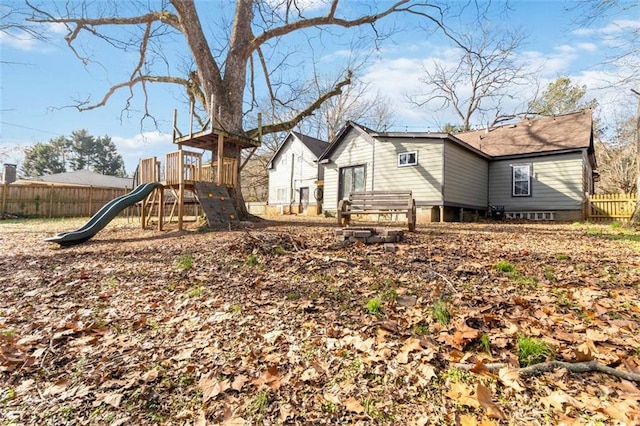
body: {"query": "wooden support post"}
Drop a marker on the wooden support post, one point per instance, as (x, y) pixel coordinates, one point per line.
(143, 213)
(160, 207)
(180, 186)
(461, 214)
(441, 214)
(220, 156)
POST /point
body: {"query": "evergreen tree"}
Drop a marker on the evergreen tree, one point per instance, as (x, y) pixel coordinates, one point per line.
(106, 159)
(80, 151)
(42, 159)
(83, 147)
(561, 97)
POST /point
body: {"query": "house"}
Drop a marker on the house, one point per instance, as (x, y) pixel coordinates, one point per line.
(536, 169)
(80, 178)
(294, 175)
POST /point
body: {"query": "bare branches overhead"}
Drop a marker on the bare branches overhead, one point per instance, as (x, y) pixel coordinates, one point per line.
(477, 79)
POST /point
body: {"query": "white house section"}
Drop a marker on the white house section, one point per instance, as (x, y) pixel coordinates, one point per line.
(294, 174)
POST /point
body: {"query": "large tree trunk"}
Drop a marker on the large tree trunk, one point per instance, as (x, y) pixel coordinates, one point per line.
(226, 91)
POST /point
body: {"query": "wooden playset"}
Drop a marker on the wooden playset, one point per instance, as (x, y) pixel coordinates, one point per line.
(184, 173)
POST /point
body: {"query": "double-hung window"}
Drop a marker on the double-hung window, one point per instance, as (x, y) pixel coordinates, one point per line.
(521, 180)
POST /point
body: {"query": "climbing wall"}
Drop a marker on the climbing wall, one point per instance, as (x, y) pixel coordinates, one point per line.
(216, 203)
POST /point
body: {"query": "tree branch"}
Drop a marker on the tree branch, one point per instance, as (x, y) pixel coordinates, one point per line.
(85, 106)
(290, 124)
(573, 367)
(331, 19)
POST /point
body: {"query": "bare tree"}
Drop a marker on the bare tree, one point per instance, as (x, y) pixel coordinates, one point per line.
(623, 52)
(245, 44)
(477, 81)
(617, 159)
(355, 103)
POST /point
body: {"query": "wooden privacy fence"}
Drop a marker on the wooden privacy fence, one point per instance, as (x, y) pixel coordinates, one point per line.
(55, 200)
(611, 207)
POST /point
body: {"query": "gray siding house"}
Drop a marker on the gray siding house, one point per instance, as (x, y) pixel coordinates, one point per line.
(535, 169)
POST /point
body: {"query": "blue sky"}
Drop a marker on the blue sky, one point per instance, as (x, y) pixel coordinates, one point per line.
(37, 80)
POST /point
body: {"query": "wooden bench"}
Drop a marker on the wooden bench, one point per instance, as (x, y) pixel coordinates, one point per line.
(378, 202)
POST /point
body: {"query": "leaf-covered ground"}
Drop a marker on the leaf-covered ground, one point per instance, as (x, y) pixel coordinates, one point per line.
(278, 323)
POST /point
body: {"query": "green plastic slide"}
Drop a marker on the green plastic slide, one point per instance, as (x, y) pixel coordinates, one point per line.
(105, 215)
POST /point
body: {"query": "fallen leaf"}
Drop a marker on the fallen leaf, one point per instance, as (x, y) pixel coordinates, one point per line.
(56, 388)
(239, 382)
(272, 336)
(211, 387)
(585, 351)
(309, 374)
(510, 378)
(111, 398)
(468, 420)
(410, 345)
(286, 411)
(353, 405)
(329, 397)
(270, 378)
(596, 336)
(150, 375)
(486, 401)
(462, 394)
(558, 399)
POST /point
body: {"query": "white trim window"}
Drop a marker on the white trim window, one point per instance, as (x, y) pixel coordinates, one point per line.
(521, 180)
(281, 195)
(408, 159)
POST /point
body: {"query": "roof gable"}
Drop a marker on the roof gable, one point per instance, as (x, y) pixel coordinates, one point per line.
(316, 146)
(339, 138)
(532, 136)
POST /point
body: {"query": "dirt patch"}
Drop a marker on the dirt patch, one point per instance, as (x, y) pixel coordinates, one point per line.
(277, 323)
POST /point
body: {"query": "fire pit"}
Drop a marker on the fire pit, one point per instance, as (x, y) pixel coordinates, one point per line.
(369, 235)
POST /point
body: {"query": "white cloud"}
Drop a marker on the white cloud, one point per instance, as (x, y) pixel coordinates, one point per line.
(143, 140)
(620, 25)
(143, 145)
(589, 47)
(614, 27)
(18, 41)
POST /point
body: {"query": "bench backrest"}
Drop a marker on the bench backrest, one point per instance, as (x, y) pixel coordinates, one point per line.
(380, 200)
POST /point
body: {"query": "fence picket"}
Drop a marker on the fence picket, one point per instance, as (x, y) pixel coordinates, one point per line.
(611, 207)
(55, 200)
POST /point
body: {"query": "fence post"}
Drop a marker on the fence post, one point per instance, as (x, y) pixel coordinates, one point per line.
(51, 201)
(5, 189)
(90, 200)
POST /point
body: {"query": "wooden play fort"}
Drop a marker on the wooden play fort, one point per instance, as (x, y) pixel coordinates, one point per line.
(188, 181)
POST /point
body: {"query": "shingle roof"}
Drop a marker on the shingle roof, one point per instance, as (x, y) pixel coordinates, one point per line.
(316, 146)
(544, 135)
(86, 177)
